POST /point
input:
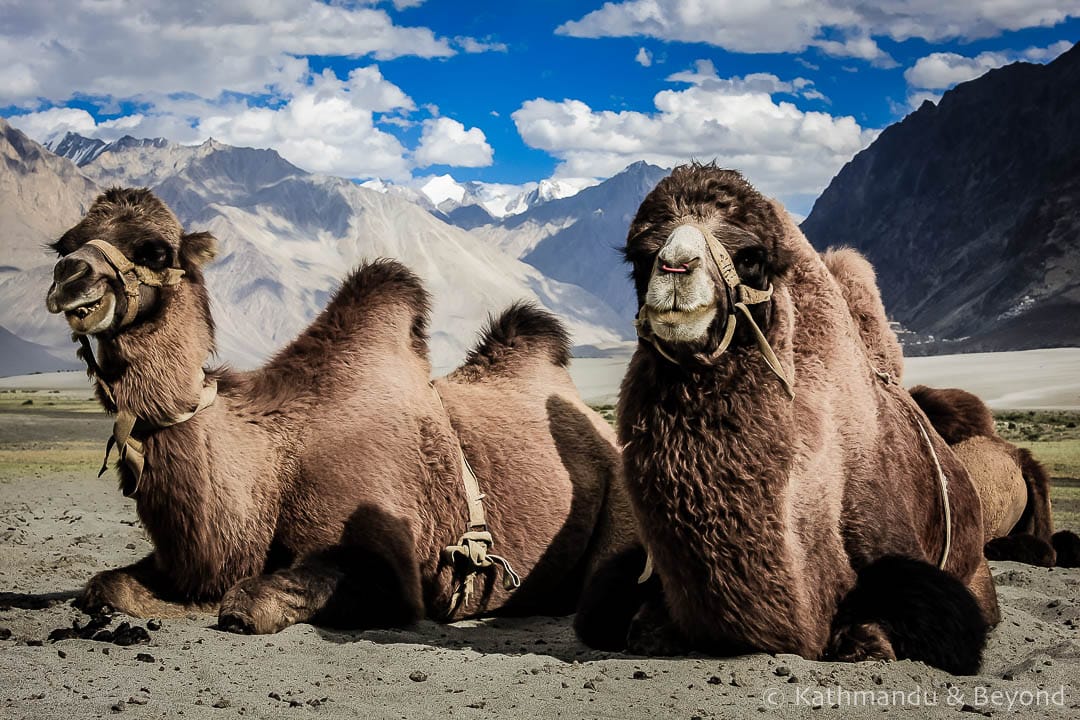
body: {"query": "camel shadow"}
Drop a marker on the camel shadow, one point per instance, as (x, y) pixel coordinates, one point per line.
(35, 601)
(537, 619)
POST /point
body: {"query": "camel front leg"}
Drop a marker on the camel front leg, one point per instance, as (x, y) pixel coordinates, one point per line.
(341, 587)
(138, 590)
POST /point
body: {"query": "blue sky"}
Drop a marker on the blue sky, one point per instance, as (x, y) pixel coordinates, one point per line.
(512, 92)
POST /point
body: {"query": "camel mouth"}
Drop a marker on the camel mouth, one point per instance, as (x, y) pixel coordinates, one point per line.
(681, 316)
(91, 315)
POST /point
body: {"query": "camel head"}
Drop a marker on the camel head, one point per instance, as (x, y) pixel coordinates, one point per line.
(118, 264)
(702, 242)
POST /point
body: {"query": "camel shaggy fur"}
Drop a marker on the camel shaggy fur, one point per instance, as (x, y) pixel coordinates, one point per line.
(780, 524)
(325, 485)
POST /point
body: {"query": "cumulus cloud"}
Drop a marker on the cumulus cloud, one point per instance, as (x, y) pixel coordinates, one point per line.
(736, 121)
(844, 28)
(942, 70)
(643, 57)
(234, 71)
(446, 142)
(52, 51)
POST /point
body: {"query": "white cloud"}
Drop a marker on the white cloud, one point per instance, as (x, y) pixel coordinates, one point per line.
(405, 4)
(446, 142)
(943, 70)
(472, 45)
(163, 48)
(643, 57)
(838, 27)
(736, 121)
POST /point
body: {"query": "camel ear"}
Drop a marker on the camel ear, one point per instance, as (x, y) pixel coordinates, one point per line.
(198, 248)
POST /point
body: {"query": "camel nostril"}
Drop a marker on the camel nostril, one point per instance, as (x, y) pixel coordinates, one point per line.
(679, 267)
(70, 269)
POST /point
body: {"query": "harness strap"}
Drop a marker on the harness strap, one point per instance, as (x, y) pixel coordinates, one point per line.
(943, 480)
(473, 549)
(132, 276)
(740, 296)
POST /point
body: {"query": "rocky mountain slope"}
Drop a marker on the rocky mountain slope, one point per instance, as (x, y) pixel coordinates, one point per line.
(577, 239)
(970, 210)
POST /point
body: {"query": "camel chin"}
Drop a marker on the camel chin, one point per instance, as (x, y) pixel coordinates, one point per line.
(683, 327)
(92, 317)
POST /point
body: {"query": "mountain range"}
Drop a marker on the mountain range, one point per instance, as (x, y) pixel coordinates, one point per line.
(286, 238)
(970, 211)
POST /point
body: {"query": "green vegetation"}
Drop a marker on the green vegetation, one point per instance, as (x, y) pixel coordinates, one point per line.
(80, 401)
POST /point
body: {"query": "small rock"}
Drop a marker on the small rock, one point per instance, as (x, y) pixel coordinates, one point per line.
(418, 676)
(295, 703)
(274, 696)
(61, 654)
(478, 705)
(221, 703)
(5, 633)
(153, 625)
(34, 643)
(145, 657)
(137, 700)
(589, 685)
(641, 675)
(130, 546)
(782, 671)
(714, 680)
(118, 707)
(565, 685)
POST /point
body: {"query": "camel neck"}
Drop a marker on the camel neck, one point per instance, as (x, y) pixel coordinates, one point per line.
(154, 370)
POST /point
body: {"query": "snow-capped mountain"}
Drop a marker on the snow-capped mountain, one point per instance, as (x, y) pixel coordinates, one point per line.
(576, 239)
(287, 237)
(472, 204)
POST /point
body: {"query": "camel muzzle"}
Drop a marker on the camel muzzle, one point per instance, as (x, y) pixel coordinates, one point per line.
(739, 297)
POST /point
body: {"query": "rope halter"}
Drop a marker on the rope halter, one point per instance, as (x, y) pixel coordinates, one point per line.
(739, 297)
(132, 276)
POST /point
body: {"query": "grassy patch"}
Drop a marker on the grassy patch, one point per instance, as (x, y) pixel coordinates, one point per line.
(1020, 426)
(48, 400)
(44, 458)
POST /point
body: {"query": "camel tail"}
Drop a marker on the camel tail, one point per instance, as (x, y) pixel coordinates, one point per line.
(523, 330)
(925, 614)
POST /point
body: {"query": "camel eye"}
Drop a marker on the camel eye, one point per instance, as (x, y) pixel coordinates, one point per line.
(151, 253)
(750, 262)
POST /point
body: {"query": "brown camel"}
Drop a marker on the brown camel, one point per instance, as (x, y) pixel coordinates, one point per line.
(1013, 487)
(328, 485)
(792, 499)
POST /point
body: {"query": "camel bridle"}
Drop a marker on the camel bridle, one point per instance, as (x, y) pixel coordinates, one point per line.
(131, 276)
(131, 450)
(739, 298)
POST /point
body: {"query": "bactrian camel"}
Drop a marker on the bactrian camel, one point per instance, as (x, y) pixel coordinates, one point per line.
(329, 485)
(791, 496)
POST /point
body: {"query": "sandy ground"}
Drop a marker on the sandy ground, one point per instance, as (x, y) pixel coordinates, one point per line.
(59, 525)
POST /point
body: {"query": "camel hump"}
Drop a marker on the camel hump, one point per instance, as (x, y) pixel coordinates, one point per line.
(522, 332)
(366, 294)
(858, 283)
(956, 414)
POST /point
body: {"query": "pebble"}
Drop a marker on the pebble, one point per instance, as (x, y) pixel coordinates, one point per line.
(418, 676)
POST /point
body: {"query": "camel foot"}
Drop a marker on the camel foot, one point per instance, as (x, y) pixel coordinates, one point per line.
(1067, 545)
(123, 591)
(856, 643)
(259, 606)
(1022, 547)
(653, 633)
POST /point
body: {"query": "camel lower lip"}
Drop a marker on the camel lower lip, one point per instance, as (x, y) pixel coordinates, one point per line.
(91, 317)
(676, 317)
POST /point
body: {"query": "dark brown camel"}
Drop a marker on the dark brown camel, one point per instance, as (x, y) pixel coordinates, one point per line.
(790, 496)
(326, 485)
